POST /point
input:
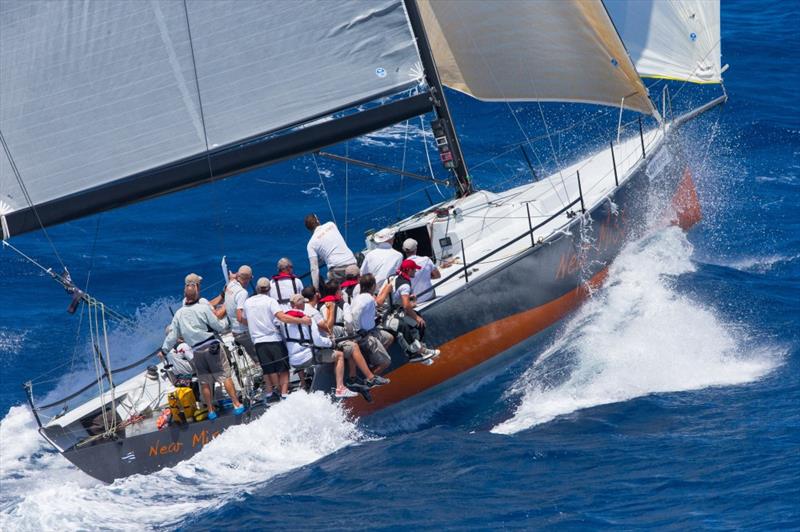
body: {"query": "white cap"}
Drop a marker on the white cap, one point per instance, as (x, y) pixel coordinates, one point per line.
(384, 235)
(409, 244)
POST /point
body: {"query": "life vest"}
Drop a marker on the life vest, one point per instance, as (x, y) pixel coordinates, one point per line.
(296, 333)
(396, 282)
(338, 309)
(284, 300)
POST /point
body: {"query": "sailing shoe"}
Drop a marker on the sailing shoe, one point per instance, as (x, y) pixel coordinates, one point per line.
(239, 410)
(431, 352)
(357, 381)
(345, 393)
(212, 416)
(419, 357)
(377, 380)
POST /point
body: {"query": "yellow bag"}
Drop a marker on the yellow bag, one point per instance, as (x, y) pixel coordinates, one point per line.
(200, 414)
(183, 404)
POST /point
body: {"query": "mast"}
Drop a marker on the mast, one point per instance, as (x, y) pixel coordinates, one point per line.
(443, 128)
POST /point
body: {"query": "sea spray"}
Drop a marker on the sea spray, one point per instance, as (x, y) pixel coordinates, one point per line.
(636, 336)
(290, 434)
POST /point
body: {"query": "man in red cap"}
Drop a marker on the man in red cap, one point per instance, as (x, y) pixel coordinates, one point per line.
(409, 324)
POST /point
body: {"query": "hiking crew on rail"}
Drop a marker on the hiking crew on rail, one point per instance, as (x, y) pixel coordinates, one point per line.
(345, 321)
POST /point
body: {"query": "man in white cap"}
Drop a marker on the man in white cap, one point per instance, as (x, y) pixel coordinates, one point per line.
(235, 296)
(383, 260)
(262, 314)
(421, 282)
(327, 245)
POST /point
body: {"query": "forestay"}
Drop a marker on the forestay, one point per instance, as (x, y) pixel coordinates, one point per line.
(676, 39)
(561, 50)
(94, 92)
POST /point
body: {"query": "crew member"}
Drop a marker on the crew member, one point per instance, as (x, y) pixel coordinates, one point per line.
(285, 284)
(235, 296)
(304, 341)
(403, 318)
(350, 284)
(217, 304)
(383, 260)
(196, 324)
(421, 282)
(338, 316)
(373, 341)
(327, 245)
(261, 313)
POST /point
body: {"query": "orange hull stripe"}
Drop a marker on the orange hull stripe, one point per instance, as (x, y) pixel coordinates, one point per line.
(469, 350)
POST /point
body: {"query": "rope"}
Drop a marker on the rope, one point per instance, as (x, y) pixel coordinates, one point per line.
(25, 193)
(322, 186)
(428, 157)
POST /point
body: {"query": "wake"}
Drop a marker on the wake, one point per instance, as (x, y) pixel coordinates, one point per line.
(635, 337)
(43, 492)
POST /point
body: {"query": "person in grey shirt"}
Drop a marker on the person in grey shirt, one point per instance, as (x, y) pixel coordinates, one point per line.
(196, 324)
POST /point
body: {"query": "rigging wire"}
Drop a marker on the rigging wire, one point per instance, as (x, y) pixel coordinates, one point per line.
(28, 199)
(322, 186)
(428, 157)
(218, 202)
(346, 187)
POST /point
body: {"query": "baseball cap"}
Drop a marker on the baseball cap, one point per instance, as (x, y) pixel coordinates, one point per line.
(296, 299)
(245, 270)
(262, 282)
(352, 271)
(192, 278)
(409, 244)
(384, 235)
(409, 264)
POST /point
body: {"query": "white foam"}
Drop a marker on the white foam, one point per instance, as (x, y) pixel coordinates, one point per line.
(291, 434)
(759, 264)
(637, 336)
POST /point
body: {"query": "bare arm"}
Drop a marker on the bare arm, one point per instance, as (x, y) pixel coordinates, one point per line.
(383, 294)
(435, 273)
(408, 308)
(285, 318)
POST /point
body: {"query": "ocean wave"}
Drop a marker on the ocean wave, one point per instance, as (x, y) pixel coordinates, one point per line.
(43, 492)
(635, 337)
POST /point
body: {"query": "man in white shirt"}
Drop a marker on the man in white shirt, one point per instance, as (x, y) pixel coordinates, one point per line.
(374, 342)
(235, 296)
(427, 271)
(302, 341)
(327, 245)
(262, 314)
(285, 284)
(383, 260)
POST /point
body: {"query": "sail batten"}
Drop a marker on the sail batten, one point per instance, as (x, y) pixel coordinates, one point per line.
(96, 92)
(548, 50)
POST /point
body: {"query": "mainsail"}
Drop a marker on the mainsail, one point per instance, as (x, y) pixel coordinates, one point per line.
(677, 39)
(565, 50)
(105, 103)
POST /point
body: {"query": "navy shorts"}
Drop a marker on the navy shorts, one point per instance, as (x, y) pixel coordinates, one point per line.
(273, 357)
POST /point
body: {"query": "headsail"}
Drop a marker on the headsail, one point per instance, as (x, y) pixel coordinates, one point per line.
(679, 39)
(562, 50)
(99, 101)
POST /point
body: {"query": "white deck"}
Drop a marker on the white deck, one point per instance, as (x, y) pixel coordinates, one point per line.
(488, 219)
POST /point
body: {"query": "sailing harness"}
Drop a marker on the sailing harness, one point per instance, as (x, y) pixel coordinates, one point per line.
(277, 283)
(338, 308)
(348, 286)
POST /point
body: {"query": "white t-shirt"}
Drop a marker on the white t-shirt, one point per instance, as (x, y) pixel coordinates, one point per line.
(283, 289)
(382, 262)
(235, 296)
(422, 280)
(328, 246)
(260, 311)
(364, 312)
(181, 358)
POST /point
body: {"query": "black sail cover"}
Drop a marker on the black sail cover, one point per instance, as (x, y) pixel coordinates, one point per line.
(99, 101)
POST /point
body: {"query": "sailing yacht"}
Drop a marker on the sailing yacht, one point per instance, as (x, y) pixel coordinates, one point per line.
(103, 104)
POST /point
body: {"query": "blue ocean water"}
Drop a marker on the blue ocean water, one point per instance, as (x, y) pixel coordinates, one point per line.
(670, 399)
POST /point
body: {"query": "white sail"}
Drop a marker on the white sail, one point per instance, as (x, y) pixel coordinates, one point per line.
(563, 50)
(673, 39)
(95, 91)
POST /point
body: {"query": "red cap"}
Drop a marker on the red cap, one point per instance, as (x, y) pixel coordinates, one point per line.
(409, 264)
